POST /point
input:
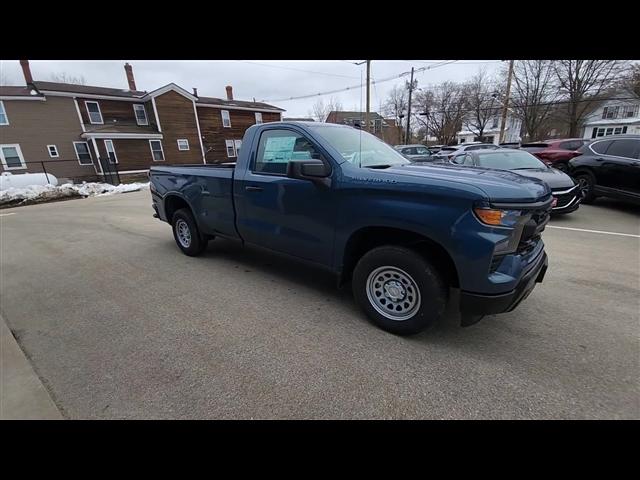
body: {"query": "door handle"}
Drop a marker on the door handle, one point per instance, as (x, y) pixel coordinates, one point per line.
(252, 188)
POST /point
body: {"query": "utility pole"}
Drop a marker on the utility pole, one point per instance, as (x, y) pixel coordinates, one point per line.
(406, 136)
(368, 95)
(506, 103)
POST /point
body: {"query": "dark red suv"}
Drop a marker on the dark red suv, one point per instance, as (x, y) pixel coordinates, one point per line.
(556, 153)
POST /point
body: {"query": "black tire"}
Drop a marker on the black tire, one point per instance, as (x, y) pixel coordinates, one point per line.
(183, 219)
(587, 183)
(432, 290)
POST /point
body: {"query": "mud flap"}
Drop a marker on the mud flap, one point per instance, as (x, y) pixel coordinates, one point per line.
(466, 319)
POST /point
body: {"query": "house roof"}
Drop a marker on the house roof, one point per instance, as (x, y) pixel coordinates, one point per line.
(88, 89)
(237, 103)
(10, 91)
(341, 116)
(613, 121)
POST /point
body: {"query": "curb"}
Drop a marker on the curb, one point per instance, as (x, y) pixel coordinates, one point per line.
(22, 394)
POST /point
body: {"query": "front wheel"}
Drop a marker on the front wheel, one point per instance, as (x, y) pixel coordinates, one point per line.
(186, 233)
(399, 290)
(586, 184)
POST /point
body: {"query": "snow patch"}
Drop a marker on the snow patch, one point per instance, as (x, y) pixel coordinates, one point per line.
(44, 193)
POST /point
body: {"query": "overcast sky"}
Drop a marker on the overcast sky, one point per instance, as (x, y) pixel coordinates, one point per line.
(264, 80)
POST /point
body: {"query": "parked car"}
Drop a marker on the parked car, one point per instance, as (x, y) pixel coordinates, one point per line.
(566, 193)
(416, 153)
(403, 234)
(467, 147)
(609, 167)
(556, 153)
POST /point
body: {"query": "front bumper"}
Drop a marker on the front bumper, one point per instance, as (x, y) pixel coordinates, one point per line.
(567, 200)
(479, 304)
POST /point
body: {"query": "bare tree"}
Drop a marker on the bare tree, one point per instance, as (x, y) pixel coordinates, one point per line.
(534, 91)
(320, 110)
(480, 100)
(583, 82)
(441, 110)
(631, 80)
(396, 106)
(64, 77)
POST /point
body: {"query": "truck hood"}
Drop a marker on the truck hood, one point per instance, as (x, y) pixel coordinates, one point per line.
(498, 185)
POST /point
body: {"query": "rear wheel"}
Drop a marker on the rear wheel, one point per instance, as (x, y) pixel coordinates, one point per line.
(399, 290)
(586, 183)
(186, 233)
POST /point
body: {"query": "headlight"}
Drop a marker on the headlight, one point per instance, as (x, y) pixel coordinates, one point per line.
(497, 217)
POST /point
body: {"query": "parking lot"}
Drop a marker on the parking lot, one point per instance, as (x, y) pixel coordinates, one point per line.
(119, 324)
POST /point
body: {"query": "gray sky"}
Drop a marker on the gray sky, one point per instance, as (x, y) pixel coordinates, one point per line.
(266, 80)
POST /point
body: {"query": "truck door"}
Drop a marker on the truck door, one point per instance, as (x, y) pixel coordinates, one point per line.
(284, 214)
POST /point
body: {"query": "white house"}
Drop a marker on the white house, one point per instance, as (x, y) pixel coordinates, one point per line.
(620, 114)
(492, 131)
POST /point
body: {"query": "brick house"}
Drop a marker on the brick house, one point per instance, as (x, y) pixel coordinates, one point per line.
(78, 131)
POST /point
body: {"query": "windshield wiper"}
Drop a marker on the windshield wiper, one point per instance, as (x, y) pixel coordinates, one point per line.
(378, 166)
(527, 168)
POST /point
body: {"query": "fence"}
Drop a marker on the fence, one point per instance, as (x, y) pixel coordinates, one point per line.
(71, 170)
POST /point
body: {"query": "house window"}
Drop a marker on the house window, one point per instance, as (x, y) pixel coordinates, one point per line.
(237, 144)
(11, 157)
(603, 132)
(231, 148)
(183, 144)
(4, 120)
(53, 151)
(156, 150)
(82, 153)
(141, 114)
(258, 117)
(111, 151)
(630, 111)
(610, 112)
(95, 116)
(226, 120)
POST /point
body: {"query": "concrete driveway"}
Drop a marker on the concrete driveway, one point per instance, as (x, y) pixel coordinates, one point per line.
(119, 324)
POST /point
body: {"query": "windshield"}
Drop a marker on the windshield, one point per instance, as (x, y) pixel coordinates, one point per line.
(360, 148)
(422, 151)
(509, 160)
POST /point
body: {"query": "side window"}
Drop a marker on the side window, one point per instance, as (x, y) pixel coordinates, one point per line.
(624, 148)
(458, 159)
(278, 147)
(467, 160)
(573, 145)
(601, 147)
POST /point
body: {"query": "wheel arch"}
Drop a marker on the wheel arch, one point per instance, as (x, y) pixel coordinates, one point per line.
(366, 238)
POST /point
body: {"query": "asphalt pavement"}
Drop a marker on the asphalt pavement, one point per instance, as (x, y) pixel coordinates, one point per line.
(117, 323)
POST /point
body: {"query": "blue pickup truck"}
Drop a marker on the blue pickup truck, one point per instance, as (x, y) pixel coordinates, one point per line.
(403, 234)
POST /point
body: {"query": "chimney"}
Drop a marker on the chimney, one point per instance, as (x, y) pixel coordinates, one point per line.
(130, 79)
(26, 71)
(229, 92)
(195, 92)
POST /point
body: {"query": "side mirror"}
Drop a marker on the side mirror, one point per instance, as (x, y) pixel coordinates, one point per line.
(314, 170)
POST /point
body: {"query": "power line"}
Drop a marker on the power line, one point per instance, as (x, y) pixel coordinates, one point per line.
(394, 77)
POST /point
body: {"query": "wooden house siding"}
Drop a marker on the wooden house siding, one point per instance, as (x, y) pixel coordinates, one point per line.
(214, 134)
(132, 154)
(178, 121)
(114, 112)
(35, 124)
